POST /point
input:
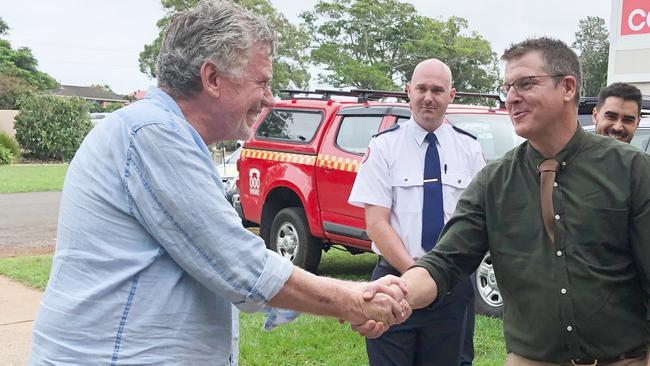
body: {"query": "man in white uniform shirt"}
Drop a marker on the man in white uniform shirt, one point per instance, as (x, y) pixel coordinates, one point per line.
(399, 193)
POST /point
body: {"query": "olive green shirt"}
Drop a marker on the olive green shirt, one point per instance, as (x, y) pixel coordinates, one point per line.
(584, 296)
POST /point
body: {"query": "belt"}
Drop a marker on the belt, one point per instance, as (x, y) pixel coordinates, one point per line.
(637, 352)
(384, 263)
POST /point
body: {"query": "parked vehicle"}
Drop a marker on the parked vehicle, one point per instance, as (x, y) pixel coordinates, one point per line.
(95, 118)
(228, 172)
(297, 170)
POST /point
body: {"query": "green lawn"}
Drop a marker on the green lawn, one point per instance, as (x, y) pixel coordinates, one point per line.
(32, 271)
(32, 177)
(309, 340)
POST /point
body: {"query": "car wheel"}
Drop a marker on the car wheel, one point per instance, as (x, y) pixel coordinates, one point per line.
(290, 237)
(487, 298)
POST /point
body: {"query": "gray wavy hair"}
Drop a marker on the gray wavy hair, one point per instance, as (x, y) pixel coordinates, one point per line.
(218, 31)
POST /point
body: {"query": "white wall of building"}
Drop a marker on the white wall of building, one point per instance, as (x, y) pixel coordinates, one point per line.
(629, 44)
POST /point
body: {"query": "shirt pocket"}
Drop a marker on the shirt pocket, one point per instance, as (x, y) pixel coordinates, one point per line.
(407, 193)
(453, 186)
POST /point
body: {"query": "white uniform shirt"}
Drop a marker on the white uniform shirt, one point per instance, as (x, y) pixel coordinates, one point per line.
(392, 174)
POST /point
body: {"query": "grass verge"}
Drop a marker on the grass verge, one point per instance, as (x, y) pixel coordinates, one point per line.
(32, 271)
(309, 340)
(32, 177)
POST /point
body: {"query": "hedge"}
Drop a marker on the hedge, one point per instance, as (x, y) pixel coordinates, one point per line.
(51, 126)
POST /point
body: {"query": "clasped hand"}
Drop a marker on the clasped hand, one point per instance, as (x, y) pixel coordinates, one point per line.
(384, 304)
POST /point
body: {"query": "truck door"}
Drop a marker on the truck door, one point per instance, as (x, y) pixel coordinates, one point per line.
(336, 168)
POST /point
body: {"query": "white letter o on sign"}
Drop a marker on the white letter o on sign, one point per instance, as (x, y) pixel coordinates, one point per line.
(637, 27)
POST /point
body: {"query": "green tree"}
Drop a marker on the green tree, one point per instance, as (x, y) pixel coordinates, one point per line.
(376, 44)
(290, 64)
(19, 71)
(592, 46)
(11, 89)
(4, 28)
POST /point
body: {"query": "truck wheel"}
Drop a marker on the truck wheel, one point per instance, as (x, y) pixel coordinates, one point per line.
(290, 237)
(487, 298)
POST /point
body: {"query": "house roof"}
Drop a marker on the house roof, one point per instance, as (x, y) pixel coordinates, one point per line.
(89, 93)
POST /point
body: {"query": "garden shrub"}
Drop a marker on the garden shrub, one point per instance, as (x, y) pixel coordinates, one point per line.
(6, 157)
(11, 144)
(52, 127)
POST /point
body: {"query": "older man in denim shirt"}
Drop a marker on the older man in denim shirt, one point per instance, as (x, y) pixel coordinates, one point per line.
(150, 256)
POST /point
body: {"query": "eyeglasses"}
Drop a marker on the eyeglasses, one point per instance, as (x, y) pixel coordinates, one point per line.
(523, 84)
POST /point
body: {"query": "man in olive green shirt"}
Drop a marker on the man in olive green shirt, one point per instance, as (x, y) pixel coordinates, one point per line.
(576, 290)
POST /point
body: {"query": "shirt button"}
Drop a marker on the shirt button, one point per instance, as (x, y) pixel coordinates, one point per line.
(559, 253)
(569, 328)
(557, 217)
(563, 291)
(564, 163)
(554, 184)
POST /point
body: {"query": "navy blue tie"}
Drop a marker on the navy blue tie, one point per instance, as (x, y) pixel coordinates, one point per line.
(433, 216)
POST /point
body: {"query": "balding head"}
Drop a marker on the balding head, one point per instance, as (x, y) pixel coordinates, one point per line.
(432, 68)
(430, 93)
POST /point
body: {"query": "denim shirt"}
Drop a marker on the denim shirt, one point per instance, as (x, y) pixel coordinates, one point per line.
(150, 256)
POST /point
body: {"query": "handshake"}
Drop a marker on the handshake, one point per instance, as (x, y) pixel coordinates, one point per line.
(380, 304)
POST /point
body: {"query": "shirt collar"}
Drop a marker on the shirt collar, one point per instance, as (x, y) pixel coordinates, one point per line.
(157, 94)
(568, 152)
(420, 134)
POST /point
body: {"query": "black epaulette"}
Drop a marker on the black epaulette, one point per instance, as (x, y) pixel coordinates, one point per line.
(391, 128)
(464, 132)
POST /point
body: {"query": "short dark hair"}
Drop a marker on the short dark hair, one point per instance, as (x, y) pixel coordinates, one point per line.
(558, 58)
(621, 90)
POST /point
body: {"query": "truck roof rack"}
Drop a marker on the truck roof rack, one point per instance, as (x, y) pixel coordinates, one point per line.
(364, 95)
(502, 103)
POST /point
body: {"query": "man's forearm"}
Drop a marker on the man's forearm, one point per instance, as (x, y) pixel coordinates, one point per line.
(391, 246)
(422, 289)
(308, 293)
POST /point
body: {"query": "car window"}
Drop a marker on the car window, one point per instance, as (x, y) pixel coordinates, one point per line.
(355, 132)
(494, 132)
(401, 120)
(641, 139)
(290, 125)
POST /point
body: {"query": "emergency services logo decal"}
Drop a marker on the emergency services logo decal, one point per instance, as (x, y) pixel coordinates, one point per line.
(254, 182)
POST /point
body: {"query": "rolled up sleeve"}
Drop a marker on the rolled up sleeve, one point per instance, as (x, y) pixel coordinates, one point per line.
(174, 191)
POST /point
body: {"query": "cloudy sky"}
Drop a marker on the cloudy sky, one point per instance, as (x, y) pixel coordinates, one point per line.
(84, 42)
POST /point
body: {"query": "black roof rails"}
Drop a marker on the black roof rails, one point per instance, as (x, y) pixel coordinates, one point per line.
(502, 103)
(364, 95)
(369, 94)
(587, 104)
(324, 94)
(292, 92)
(327, 93)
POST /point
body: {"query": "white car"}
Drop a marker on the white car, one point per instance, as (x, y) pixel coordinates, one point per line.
(95, 118)
(228, 172)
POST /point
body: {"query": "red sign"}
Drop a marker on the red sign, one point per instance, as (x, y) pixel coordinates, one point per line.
(635, 17)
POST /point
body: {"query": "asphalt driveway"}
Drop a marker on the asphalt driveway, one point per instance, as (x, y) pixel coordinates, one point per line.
(28, 222)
